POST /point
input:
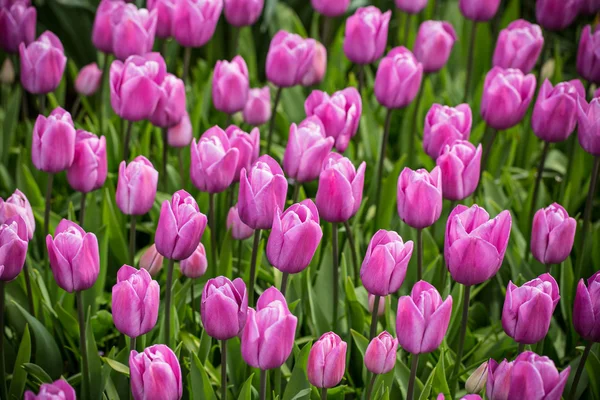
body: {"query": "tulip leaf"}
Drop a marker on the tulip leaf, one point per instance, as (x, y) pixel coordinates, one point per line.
(19, 379)
(117, 366)
(298, 387)
(361, 342)
(37, 372)
(9, 127)
(95, 365)
(246, 392)
(201, 387)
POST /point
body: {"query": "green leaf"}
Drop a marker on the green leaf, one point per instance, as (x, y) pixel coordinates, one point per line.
(246, 392)
(37, 372)
(361, 342)
(201, 387)
(95, 364)
(19, 379)
(298, 386)
(11, 117)
(117, 366)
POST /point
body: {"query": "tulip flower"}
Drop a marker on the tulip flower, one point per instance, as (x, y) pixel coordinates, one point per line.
(552, 235)
(170, 108)
(556, 15)
(88, 80)
(135, 300)
(519, 46)
(398, 78)
(478, 10)
(239, 230)
(380, 357)
(155, 373)
(89, 169)
(195, 21)
(330, 8)
(528, 309)
(419, 197)
(381, 305)
(42, 63)
(529, 376)
(366, 35)
(13, 248)
(18, 205)
(445, 125)
(7, 72)
(164, 16)
(194, 266)
(133, 31)
(248, 146)
(241, 13)
(327, 361)
(213, 161)
(151, 260)
(590, 7)
(59, 389)
(289, 59)
(586, 307)
(588, 61)
(230, 85)
(17, 25)
(339, 113)
(107, 14)
(588, 130)
(411, 6)
(433, 44)
(257, 110)
(53, 146)
(318, 66)
(224, 307)
(180, 135)
(136, 186)
(477, 380)
(460, 165)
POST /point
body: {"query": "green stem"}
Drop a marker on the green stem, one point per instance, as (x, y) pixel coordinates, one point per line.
(168, 296)
(82, 209)
(193, 297)
(223, 369)
(127, 140)
(3, 379)
(75, 108)
(263, 384)
(182, 172)
(48, 205)
(384, 140)
(419, 254)
(374, 316)
(326, 29)
(42, 104)
(284, 282)
(132, 347)
(361, 78)
(413, 128)
(253, 266)
(521, 348)
(235, 40)
(536, 188)
(296, 192)
(323, 393)
(85, 376)
(470, 59)
(370, 387)
(587, 214)
(187, 55)
(272, 122)
(132, 240)
(572, 146)
(461, 338)
(413, 376)
(407, 25)
(487, 150)
(352, 243)
(336, 272)
(105, 73)
(165, 156)
(213, 232)
(582, 361)
(29, 290)
(239, 258)
(277, 382)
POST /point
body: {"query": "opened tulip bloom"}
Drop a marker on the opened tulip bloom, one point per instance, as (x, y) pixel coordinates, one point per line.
(519, 46)
(136, 187)
(556, 15)
(42, 63)
(588, 128)
(230, 85)
(479, 10)
(194, 266)
(170, 108)
(552, 235)
(133, 31)
(89, 169)
(398, 78)
(239, 230)
(18, 205)
(180, 135)
(59, 389)
(588, 59)
(241, 13)
(460, 165)
(17, 25)
(289, 58)
(327, 361)
(213, 161)
(419, 197)
(155, 373)
(411, 6)
(586, 310)
(53, 146)
(380, 356)
(224, 307)
(434, 44)
(107, 14)
(88, 80)
(366, 35)
(13, 247)
(318, 66)
(444, 125)
(164, 14)
(151, 260)
(330, 8)
(257, 110)
(195, 21)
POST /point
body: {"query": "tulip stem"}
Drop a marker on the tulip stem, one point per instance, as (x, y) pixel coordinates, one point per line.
(168, 295)
(75, 108)
(187, 55)
(127, 140)
(272, 122)
(521, 348)
(296, 193)
(192, 301)
(326, 30)
(165, 156)
(263, 384)
(571, 158)
(413, 129)
(461, 338)
(374, 316)
(223, 369)
(536, 188)
(132, 240)
(352, 243)
(3, 379)
(213, 231)
(361, 78)
(323, 393)
(181, 166)
(105, 73)
(82, 343)
(48, 201)
(82, 209)
(487, 150)
(586, 217)
(370, 387)
(239, 257)
(582, 361)
(413, 376)
(336, 272)
(384, 140)
(284, 282)
(43, 104)
(132, 347)
(407, 25)
(253, 266)
(29, 291)
(470, 58)
(419, 254)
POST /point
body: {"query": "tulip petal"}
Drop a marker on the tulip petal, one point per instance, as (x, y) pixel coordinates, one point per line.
(410, 325)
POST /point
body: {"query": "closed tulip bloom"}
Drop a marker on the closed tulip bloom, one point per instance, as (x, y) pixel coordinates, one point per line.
(294, 237)
(224, 307)
(552, 235)
(42, 63)
(257, 110)
(528, 309)
(248, 146)
(195, 265)
(88, 80)
(366, 35)
(529, 376)
(306, 150)
(7, 72)
(13, 247)
(445, 125)
(433, 44)
(243, 12)
(556, 15)
(380, 356)
(586, 310)
(195, 21)
(268, 336)
(155, 373)
(59, 389)
(180, 135)
(289, 58)
(507, 94)
(384, 266)
(419, 197)
(590, 7)
(89, 169)
(107, 14)
(398, 78)
(340, 189)
(519, 46)
(164, 16)
(74, 257)
(340, 113)
(53, 145)
(18, 205)
(239, 230)
(318, 67)
(588, 59)
(213, 161)
(180, 227)
(136, 187)
(422, 319)
(588, 128)
(17, 25)
(135, 85)
(327, 361)
(230, 85)
(380, 309)
(330, 8)
(460, 165)
(263, 189)
(135, 300)
(479, 10)
(477, 380)
(170, 108)
(411, 6)
(134, 31)
(151, 260)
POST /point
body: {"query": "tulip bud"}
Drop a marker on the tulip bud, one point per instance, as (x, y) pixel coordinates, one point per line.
(248, 146)
(263, 189)
(186, 17)
(74, 257)
(519, 46)
(422, 319)
(479, 10)
(474, 245)
(239, 230)
(171, 105)
(180, 135)
(380, 309)
(552, 234)
(420, 197)
(590, 7)
(289, 58)
(460, 165)
(89, 169)
(511, 89)
(243, 12)
(135, 301)
(88, 80)
(433, 44)
(107, 14)
(398, 78)
(53, 146)
(380, 356)
(556, 15)
(327, 361)
(257, 110)
(384, 267)
(528, 309)
(476, 382)
(586, 316)
(42, 64)
(13, 247)
(294, 237)
(444, 125)
(306, 150)
(411, 6)
(529, 376)
(339, 113)
(318, 67)
(133, 31)
(340, 188)
(330, 8)
(195, 265)
(230, 85)
(7, 72)
(588, 62)
(213, 161)
(151, 260)
(224, 307)
(366, 35)
(180, 227)
(59, 389)
(588, 134)
(18, 205)
(136, 186)
(155, 373)
(164, 16)
(17, 25)
(268, 336)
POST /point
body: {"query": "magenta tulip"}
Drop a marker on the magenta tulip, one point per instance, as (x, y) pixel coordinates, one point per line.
(330, 8)
(552, 235)
(398, 78)
(18, 205)
(243, 12)
(586, 310)
(171, 105)
(444, 125)
(248, 146)
(479, 10)
(88, 80)
(327, 361)
(588, 129)
(434, 44)
(289, 58)
(588, 59)
(151, 260)
(195, 21)
(230, 85)
(224, 307)
(318, 66)
(257, 110)
(419, 197)
(590, 7)
(13, 247)
(136, 186)
(519, 46)
(556, 15)
(17, 25)
(164, 16)
(107, 14)
(133, 31)
(366, 35)
(42, 63)
(239, 230)
(53, 145)
(460, 165)
(411, 6)
(380, 357)
(195, 265)
(89, 169)
(59, 389)
(180, 135)
(155, 373)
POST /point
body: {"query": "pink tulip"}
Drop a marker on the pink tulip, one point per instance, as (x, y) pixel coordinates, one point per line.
(155, 373)
(420, 197)
(588, 129)
(519, 46)
(164, 14)
(327, 361)
(479, 10)
(588, 61)
(136, 187)
(243, 12)
(366, 35)
(88, 80)
(53, 145)
(18, 205)
(257, 110)
(133, 31)
(7, 72)
(411, 6)
(556, 15)
(108, 13)
(398, 78)
(380, 309)
(74, 257)
(230, 85)
(444, 125)
(17, 25)
(239, 230)
(330, 8)
(460, 165)
(434, 44)
(180, 135)
(586, 310)
(170, 108)
(289, 58)
(380, 357)
(195, 21)
(224, 307)
(552, 235)
(318, 67)
(590, 7)
(151, 260)
(59, 389)
(42, 63)
(194, 266)
(89, 169)
(13, 247)
(248, 146)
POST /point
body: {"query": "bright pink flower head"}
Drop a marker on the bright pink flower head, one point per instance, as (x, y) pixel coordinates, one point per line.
(289, 58)
(224, 307)
(327, 361)
(18, 205)
(59, 389)
(53, 145)
(398, 78)
(42, 63)
(318, 67)
(380, 357)
(89, 169)
(180, 135)
(588, 129)
(419, 197)
(519, 46)
(108, 13)
(155, 373)
(195, 21)
(444, 125)
(213, 161)
(479, 10)
(556, 15)
(151, 260)
(434, 44)
(195, 265)
(248, 146)
(230, 85)
(366, 35)
(586, 310)
(243, 12)
(588, 57)
(13, 247)
(88, 80)
(257, 110)
(133, 31)
(136, 186)
(239, 230)
(330, 8)
(171, 105)
(460, 164)
(411, 6)
(17, 25)
(552, 234)
(164, 14)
